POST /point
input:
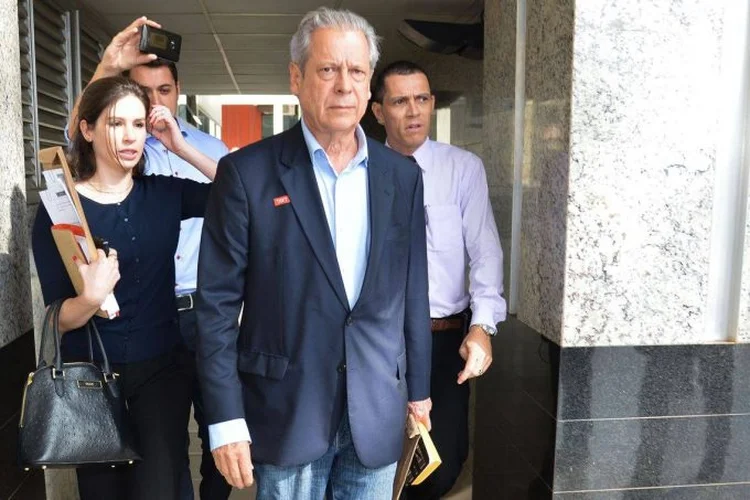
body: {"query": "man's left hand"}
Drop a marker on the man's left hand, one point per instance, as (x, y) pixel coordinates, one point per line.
(163, 126)
(476, 350)
(420, 410)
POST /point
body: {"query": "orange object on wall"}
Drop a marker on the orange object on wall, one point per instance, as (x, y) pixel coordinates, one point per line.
(241, 125)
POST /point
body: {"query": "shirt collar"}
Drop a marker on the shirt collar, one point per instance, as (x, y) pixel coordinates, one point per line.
(313, 146)
(422, 154)
(185, 127)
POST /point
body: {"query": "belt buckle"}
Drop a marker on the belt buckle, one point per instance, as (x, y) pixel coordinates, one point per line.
(190, 296)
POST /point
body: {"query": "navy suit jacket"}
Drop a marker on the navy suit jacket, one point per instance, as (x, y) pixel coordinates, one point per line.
(300, 356)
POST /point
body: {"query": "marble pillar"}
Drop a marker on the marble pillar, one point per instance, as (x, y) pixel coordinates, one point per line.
(16, 322)
(619, 149)
(15, 294)
(499, 107)
(619, 375)
(643, 140)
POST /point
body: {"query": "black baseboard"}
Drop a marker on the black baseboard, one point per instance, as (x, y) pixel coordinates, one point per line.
(653, 422)
(720, 492)
(621, 422)
(515, 423)
(16, 361)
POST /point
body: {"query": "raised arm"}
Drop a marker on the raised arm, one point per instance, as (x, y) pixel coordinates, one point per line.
(164, 127)
(121, 54)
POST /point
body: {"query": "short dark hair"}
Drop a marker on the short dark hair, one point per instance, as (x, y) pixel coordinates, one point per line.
(158, 63)
(96, 98)
(395, 68)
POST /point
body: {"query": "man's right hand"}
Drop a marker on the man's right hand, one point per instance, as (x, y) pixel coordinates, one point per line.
(123, 53)
(234, 462)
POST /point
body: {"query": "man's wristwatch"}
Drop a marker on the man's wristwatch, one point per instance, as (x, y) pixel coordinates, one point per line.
(489, 330)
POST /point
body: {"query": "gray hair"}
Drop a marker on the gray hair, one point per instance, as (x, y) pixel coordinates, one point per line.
(324, 17)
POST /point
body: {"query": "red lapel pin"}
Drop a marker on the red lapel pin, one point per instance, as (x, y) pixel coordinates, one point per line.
(281, 200)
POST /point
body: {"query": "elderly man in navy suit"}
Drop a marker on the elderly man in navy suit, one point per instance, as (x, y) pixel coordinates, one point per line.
(320, 233)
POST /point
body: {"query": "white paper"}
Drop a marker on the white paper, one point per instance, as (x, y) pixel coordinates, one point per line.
(54, 176)
(110, 306)
(57, 200)
(81, 240)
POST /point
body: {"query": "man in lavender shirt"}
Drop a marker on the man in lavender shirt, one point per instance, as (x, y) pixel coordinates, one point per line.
(460, 230)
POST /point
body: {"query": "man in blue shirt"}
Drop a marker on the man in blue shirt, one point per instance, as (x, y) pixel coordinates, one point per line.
(160, 79)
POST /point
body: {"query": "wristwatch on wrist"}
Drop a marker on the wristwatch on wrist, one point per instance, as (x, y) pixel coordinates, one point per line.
(489, 330)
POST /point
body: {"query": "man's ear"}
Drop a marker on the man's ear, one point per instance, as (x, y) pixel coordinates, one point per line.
(83, 126)
(295, 78)
(377, 110)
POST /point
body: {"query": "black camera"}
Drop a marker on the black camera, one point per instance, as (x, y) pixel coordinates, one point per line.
(163, 43)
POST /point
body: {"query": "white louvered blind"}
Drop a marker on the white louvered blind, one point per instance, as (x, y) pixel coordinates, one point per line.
(44, 36)
(91, 52)
(53, 75)
(28, 100)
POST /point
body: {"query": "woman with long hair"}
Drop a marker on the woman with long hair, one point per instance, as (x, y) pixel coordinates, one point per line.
(140, 218)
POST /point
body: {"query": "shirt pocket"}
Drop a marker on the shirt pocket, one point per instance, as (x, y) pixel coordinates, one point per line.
(444, 227)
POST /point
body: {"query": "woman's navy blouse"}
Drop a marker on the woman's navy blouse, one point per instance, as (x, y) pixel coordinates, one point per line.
(144, 229)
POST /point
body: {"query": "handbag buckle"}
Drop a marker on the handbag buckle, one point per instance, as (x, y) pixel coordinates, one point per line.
(111, 377)
(56, 374)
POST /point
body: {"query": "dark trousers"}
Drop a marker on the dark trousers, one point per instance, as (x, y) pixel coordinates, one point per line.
(449, 416)
(213, 486)
(158, 397)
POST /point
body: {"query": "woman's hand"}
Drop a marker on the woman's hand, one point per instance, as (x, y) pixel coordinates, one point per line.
(163, 126)
(99, 277)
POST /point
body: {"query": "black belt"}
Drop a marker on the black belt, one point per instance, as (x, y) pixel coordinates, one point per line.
(185, 302)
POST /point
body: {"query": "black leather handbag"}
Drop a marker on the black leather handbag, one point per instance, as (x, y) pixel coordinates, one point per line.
(73, 414)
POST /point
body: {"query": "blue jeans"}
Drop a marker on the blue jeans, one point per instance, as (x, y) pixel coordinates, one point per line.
(337, 475)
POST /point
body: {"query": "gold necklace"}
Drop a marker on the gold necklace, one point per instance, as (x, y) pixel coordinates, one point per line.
(104, 191)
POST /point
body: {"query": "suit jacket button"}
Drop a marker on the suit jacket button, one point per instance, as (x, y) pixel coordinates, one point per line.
(341, 368)
(349, 321)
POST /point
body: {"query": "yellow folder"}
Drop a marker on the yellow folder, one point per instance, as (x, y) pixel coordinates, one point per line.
(419, 457)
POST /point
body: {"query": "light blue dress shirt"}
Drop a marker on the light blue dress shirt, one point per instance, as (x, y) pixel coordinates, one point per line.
(161, 161)
(346, 204)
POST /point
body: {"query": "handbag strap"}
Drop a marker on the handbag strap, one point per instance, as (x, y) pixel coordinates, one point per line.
(91, 328)
(51, 326)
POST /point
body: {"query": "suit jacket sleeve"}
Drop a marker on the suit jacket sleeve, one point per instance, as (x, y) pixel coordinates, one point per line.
(221, 281)
(417, 309)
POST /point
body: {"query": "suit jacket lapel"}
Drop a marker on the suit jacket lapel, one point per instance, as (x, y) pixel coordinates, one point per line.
(380, 179)
(302, 188)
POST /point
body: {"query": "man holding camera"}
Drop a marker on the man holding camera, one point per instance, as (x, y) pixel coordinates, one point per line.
(159, 78)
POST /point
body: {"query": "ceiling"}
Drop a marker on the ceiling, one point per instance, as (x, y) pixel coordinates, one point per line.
(254, 35)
